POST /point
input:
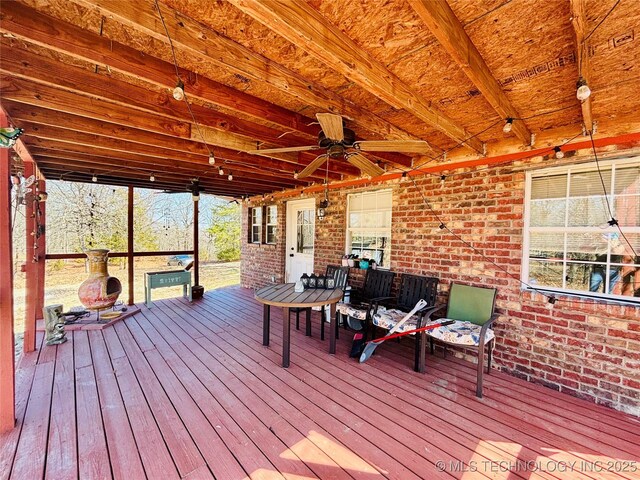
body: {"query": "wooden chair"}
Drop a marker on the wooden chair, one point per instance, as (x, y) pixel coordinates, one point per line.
(357, 314)
(412, 289)
(473, 309)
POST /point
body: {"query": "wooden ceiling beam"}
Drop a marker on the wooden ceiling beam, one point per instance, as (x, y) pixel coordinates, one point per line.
(302, 25)
(446, 27)
(221, 51)
(43, 116)
(28, 24)
(579, 22)
(129, 162)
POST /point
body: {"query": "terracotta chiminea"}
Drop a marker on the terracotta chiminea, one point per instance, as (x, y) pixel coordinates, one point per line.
(99, 290)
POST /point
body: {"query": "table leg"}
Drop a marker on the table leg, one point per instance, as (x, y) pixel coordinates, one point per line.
(266, 322)
(286, 336)
(334, 329)
(308, 313)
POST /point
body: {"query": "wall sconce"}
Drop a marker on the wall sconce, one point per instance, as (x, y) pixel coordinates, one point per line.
(322, 209)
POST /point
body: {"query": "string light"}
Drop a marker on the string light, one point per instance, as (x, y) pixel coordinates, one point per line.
(508, 125)
(94, 179)
(295, 174)
(582, 90)
(212, 159)
(230, 177)
(152, 178)
(178, 92)
(559, 152)
(220, 171)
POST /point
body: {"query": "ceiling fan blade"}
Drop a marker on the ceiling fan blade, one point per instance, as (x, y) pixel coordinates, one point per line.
(364, 164)
(331, 126)
(405, 146)
(313, 166)
(283, 149)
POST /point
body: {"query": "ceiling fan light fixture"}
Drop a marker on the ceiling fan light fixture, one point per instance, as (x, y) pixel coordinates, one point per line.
(178, 92)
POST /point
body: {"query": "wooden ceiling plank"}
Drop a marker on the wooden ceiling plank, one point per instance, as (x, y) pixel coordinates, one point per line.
(210, 46)
(445, 26)
(302, 25)
(43, 116)
(579, 22)
(30, 25)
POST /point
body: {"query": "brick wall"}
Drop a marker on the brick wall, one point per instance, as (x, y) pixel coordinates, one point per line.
(589, 349)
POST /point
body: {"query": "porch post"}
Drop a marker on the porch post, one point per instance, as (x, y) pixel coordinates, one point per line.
(130, 244)
(196, 259)
(7, 362)
(31, 265)
(41, 243)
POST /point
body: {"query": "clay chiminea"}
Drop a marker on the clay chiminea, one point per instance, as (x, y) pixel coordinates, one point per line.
(99, 291)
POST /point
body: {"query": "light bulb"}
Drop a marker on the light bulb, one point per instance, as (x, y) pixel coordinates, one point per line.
(559, 153)
(295, 174)
(152, 178)
(212, 159)
(583, 91)
(220, 171)
(178, 92)
(508, 125)
(230, 177)
(94, 179)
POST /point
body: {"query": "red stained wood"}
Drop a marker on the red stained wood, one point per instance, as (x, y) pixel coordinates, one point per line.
(31, 270)
(7, 367)
(188, 390)
(130, 246)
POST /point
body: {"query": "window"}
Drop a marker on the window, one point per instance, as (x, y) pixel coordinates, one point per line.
(272, 223)
(568, 243)
(369, 226)
(255, 233)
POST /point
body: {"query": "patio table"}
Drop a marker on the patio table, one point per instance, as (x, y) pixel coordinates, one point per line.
(283, 295)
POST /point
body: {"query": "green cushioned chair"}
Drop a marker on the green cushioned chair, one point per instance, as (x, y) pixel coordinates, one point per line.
(473, 309)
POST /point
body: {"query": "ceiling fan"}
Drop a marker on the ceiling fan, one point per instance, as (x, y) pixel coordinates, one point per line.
(340, 142)
(194, 187)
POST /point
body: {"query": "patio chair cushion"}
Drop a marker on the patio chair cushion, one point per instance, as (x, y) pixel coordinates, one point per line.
(358, 312)
(388, 318)
(460, 333)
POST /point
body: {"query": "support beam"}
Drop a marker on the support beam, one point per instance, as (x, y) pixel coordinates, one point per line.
(305, 27)
(7, 356)
(31, 267)
(579, 22)
(446, 27)
(196, 243)
(130, 246)
(41, 243)
(216, 49)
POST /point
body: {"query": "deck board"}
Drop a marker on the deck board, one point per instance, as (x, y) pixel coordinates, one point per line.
(187, 390)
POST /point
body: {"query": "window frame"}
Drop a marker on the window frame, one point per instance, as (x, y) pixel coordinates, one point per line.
(253, 224)
(268, 225)
(566, 230)
(388, 230)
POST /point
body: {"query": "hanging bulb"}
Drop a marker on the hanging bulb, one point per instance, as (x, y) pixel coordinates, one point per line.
(583, 91)
(178, 92)
(230, 177)
(295, 174)
(212, 159)
(508, 125)
(220, 171)
(152, 178)
(559, 153)
(94, 179)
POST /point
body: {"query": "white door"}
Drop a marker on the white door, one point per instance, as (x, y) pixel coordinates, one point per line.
(301, 217)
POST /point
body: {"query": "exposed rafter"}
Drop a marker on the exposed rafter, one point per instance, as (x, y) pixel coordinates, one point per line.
(446, 27)
(216, 49)
(579, 22)
(302, 25)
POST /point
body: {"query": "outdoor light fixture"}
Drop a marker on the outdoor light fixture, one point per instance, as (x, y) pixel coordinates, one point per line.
(322, 209)
(94, 179)
(152, 178)
(559, 152)
(220, 171)
(178, 92)
(508, 125)
(212, 159)
(230, 177)
(582, 90)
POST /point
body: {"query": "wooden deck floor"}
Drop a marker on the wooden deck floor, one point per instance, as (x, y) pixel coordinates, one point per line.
(188, 391)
